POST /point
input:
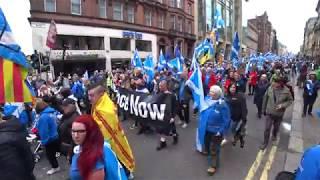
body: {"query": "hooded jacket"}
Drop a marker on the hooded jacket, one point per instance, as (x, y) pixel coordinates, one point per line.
(47, 126)
(15, 155)
(275, 97)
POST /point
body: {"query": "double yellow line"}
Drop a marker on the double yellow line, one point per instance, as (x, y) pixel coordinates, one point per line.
(255, 166)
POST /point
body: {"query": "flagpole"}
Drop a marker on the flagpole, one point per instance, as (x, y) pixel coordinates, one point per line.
(50, 65)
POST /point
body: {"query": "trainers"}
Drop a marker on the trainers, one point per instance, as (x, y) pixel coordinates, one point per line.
(179, 122)
(185, 125)
(134, 126)
(53, 170)
(224, 142)
(131, 176)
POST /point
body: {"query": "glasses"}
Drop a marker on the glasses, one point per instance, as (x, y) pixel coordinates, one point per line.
(80, 131)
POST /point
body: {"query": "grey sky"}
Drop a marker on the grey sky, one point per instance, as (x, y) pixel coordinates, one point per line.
(288, 17)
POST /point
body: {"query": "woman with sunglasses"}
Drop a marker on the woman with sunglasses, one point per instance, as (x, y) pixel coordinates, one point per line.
(93, 158)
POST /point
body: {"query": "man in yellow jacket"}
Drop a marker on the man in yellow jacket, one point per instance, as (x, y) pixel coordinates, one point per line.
(104, 113)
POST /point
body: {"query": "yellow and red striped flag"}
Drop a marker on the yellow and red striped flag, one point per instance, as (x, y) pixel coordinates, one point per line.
(13, 87)
(13, 67)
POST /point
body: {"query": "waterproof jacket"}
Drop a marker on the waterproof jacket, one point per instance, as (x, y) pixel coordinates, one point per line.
(218, 118)
(16, 159)
(47, 126)
(275, 97)
(238, 106)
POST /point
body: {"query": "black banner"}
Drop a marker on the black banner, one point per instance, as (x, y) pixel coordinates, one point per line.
(152, 109)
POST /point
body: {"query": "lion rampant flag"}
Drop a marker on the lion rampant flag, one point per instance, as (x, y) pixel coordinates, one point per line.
(104, 113)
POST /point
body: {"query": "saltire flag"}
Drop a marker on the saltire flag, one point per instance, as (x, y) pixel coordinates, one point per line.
(52, 34)
(162, 63)
(148, 67)
(218, 20)
(86, 75)
(175, 64)
(235, 50)
(195, 84)
(178, 54)
(9, 49)
(13, 68)
(168, 55)
(136, 61)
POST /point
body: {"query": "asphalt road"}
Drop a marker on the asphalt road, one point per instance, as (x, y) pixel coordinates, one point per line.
(181, 161)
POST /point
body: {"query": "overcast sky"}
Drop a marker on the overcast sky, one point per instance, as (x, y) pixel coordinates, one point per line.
(288, 17)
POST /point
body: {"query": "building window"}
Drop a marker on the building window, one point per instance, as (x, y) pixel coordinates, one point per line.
(50, 5)
(131, 14)
(118, 11)
(161, 21)
(142, 45)
(76, 7)
(148, 17)
(173, 22)
(189, 29)
(119, 44)
(180, 24)
(189, 9)
(172, 3)
(179, 3)
(102, 8)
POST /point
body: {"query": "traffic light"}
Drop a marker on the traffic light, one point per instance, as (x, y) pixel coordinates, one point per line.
(45, 67)
(35, 61)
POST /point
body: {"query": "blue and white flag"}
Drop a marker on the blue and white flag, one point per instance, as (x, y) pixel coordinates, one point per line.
(162, 63)
(148, 67)
(178, 54)
(235, 50)
(195, 84)
(9, 49)
(218, 20)
(136, 61)
(175, 64)
(86, 75)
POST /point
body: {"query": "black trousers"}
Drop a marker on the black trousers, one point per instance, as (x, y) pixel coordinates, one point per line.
(259, 107)
(308, 104)
(183, 112)
(251, 89)
(51, 149)
(274, 121)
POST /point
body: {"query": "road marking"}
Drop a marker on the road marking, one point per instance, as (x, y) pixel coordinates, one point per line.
(268, 165)
(255, 165)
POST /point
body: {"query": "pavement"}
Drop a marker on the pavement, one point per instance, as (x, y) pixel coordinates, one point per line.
(183, 162)
(305, 132)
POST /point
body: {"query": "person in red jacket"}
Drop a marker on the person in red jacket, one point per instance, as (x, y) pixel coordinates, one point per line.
(253, 78)
(208, 79)
(229, 81)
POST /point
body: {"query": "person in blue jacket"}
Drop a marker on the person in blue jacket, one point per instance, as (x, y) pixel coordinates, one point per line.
(93, 157)
(48, 133)
(214, 123)
(27, 116)
(309, 168)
